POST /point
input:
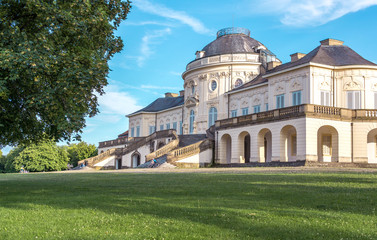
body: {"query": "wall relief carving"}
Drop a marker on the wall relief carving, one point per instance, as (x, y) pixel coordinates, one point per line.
(352, 84)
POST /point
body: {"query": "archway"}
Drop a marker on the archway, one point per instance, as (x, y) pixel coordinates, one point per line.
(226, 149)
(265, 145)
(135, 160)
(288, 144)
(244, 147)
(372, 146)
(118, 163)
(327, 144)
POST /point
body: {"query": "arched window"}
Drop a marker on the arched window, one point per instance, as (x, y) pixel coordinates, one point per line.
(238, 83)
(212, 116)
(192, 119)
(193, 89)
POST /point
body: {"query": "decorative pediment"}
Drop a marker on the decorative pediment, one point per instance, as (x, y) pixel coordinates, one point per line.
(244, 103)
(214, 75)
(296, 84)
(280, 88)
(233, 106)
(352, 84)
(191, 102)
(256, 101)
(325, 84)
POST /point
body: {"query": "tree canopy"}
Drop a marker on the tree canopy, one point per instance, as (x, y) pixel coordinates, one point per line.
(53, 63)
(44, 156)
(80, 151)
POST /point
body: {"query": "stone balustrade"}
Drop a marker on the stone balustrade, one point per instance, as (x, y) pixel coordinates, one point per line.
(163, 150)
(226, 58)
(96, 159)
(308, 110)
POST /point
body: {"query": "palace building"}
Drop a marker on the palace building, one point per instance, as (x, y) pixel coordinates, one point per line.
(240, 104)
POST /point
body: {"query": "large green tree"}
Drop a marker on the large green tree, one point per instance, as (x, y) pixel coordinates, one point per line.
(53, 63)
(80, 151)
(44, 156)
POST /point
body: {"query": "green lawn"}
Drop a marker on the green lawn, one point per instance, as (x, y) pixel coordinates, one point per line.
(188, 206)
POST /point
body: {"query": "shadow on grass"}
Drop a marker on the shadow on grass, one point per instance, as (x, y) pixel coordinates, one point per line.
(273, 206)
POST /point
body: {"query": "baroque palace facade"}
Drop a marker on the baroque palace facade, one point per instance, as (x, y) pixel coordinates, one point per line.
(241, 104)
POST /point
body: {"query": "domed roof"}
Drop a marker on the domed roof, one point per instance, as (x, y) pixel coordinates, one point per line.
(232, 40)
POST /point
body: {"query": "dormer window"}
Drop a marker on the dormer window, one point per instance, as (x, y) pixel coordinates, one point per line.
(238, 83)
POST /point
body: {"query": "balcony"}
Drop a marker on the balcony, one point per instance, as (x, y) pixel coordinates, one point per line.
(304, 110)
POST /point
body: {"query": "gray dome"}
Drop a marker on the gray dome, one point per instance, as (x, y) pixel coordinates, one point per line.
(232, 40)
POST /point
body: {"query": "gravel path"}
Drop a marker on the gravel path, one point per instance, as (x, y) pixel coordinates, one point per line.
(234, 170)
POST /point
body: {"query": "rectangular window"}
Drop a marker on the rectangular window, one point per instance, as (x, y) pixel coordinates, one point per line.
(245, 111)
(175, 126)
(257, 109)
(353, 100)
(152, 129)
(137, 131)
(161, 127)
(296, 98)
(325, 98)
(294, 145)
(132, 132)
(326, 145)
(375, 100)
(234, 113)
(266, 106)
(167, 126)
(280, 101)
(180, 128)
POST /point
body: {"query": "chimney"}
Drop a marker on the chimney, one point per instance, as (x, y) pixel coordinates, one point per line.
(169, 94)
(199, 54)
(181, 93)
(273, 64)
(331, 42)
(297, 56)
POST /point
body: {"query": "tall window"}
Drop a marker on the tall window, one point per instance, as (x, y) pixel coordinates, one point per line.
(326, 145)
(294, 145)
(296, 98)
(132, 132)
(137, 131)
(180, 127)
(233, 113)
(167, 126)
(280, 101)
(161, 127)
(325, 98)
(266, 106)
(375, 100)
(256, 108)
(193, 89)
(152, 129)
(212, 117)
(175, 126)
(353, 99)
(192, 119)
(245, 111)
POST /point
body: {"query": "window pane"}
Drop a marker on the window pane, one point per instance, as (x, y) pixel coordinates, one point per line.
(349, 99)
(357, 100)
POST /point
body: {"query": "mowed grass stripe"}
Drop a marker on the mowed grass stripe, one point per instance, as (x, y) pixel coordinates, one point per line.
(188, 206)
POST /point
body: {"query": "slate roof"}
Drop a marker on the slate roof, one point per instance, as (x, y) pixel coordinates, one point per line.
(231, 43)
(161, 104)
(333, 55)
(257, 80)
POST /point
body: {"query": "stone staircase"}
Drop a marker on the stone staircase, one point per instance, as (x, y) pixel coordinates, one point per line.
(152, 164)
(90, 162)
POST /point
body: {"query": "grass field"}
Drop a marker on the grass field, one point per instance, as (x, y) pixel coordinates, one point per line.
(188, 206)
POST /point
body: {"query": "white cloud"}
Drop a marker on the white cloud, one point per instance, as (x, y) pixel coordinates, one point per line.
(146, 42)
(115, 102)
(301, 13)
(175, 73)
(160, 10)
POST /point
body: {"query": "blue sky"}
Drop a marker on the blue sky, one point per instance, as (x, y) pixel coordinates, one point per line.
(162, 36)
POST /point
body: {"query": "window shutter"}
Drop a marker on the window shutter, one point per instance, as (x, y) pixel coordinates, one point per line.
(299, 98)
(357, 100)
(349, 99)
